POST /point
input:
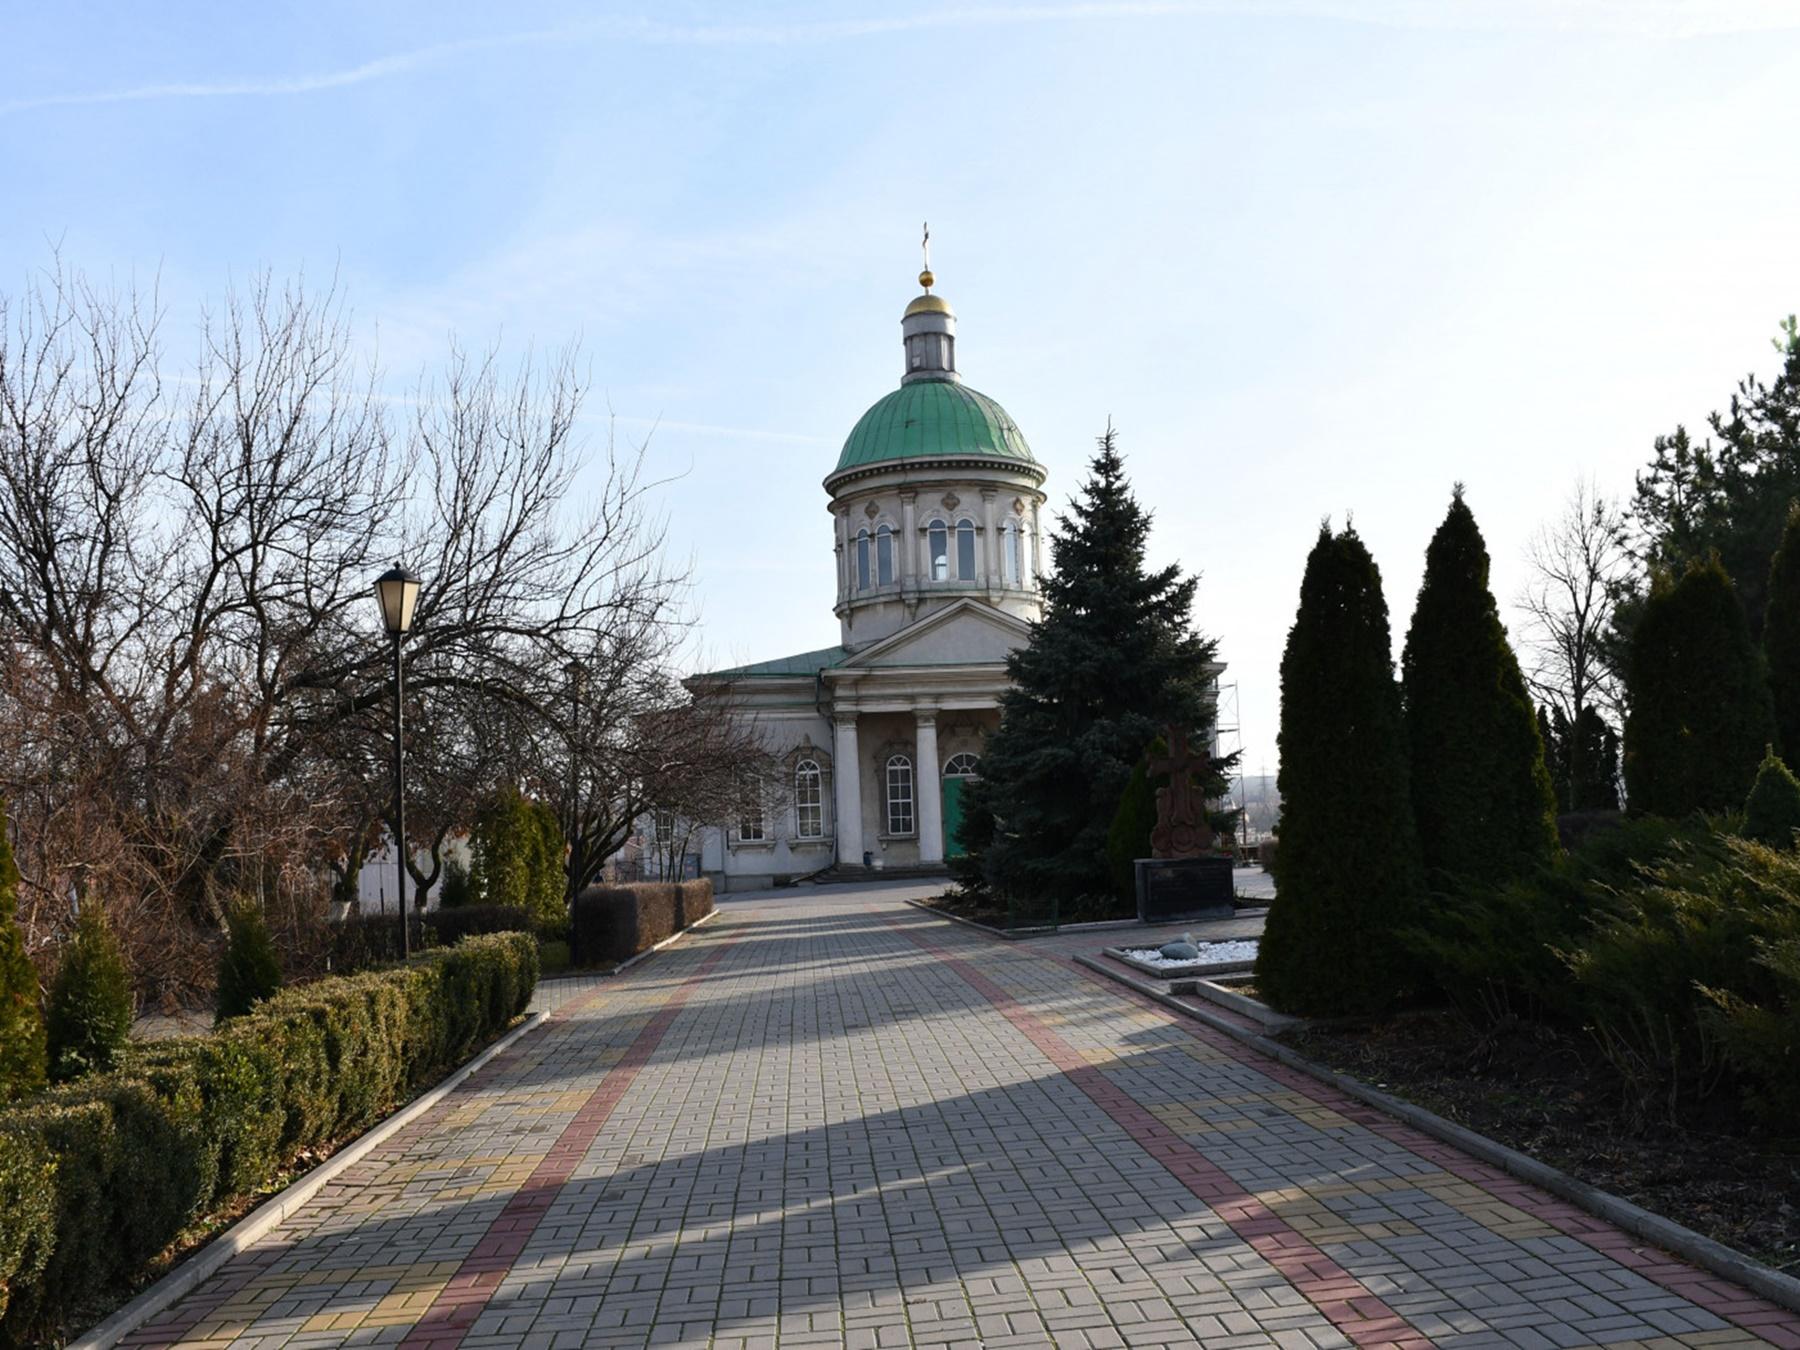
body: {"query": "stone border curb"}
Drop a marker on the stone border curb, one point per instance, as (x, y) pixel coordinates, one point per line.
(1022, 934)
(1225, 997)
(1672, 1237)
(207, 1260)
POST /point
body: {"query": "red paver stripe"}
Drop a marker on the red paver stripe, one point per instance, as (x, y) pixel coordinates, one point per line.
(1750, 1311)
(1337, 1294)
(461, 1301)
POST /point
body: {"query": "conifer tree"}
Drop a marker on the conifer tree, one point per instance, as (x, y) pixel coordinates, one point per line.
(1481, 794)
(1781, 637)
(1112, 663)
(1348, 876)
(1700, 712)
(1772, 811)
(89, 1017)
(249, 970)
(22, 1053)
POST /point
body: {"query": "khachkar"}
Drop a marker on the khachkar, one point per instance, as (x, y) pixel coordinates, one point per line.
(1183, 878)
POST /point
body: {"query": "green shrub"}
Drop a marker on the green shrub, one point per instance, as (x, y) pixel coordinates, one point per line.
(453, 925)
(23, 1059)
(1781, 635)
(89, 1017)
(99, 1176)
(1772, 811)
(27, 1212)
(1689, 942)
(1494, 950)
(249, 970)
(360, 941)
(554, 957)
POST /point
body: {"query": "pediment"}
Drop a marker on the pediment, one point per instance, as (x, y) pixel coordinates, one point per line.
(967, 633)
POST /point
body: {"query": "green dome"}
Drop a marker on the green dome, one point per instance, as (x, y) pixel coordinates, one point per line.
(932, 419)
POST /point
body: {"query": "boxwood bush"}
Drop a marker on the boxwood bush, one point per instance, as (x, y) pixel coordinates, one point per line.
(98, 1177)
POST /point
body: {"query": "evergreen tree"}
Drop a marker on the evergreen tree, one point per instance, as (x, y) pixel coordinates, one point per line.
(1553, 731)
(1481, 794)
(1348, 875)
(1112, 663)
(1700, 710)
(89, 1017)
(1772, 811)
(1781, 637)
(22, 1053)
(249, 970)
(1593, 752)
(1729, 493)
(518, 858)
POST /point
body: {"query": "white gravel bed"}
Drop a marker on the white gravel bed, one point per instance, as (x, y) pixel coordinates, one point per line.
(1211, 954)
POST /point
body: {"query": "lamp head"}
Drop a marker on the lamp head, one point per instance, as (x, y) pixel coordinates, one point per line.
(398, 591)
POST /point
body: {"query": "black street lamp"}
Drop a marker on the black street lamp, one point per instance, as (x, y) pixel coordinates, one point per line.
(398, 591)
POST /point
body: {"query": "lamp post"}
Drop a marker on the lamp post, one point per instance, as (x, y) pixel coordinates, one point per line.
(574, 672)
(398, 591)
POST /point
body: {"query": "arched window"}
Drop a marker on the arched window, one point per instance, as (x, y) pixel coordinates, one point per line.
(809, 800)
(862, 560)
(937, 549)
(884, 555)
(1010, 553)
(964, 765)
(899, 795)
(965, 550)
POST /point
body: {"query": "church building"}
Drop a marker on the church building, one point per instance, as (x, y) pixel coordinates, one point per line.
(936, 526)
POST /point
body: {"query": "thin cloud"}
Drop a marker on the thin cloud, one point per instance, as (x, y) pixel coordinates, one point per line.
(1642, 18)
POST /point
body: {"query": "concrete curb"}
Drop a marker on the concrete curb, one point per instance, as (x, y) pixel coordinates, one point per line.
(207, 1261)
(1024, 934)
(1672, 1237)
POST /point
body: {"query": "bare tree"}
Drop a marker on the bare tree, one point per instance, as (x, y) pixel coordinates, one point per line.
(1577, 564)
(194, 681)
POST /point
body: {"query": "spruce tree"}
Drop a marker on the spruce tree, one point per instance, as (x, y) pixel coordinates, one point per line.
(1700, 710)
(1553, 732)
(1112, 663)
(1481, 794)
(89, 1017)
(1772, 811)
(1348, 876)
(1781, 637)
(22, 1053)
(249, 970)
(1593, 749)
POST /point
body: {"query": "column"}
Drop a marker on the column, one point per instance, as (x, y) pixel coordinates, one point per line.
(991, 543)
(846, 777)
(839, 529)
(930, 796)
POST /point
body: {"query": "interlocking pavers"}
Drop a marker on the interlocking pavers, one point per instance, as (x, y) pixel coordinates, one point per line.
(834, 1120)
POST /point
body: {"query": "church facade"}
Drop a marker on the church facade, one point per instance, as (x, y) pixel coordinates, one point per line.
(936, 516)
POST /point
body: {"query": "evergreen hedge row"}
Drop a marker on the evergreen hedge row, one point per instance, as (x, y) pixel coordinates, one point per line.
(615, 923)
(98, 1177)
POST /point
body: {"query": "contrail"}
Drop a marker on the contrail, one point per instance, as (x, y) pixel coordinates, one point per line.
(1656, 18)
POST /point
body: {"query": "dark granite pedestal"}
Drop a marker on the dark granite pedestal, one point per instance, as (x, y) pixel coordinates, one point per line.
(1172, 889)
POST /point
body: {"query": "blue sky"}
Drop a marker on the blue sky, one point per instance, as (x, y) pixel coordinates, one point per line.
(1311, 258)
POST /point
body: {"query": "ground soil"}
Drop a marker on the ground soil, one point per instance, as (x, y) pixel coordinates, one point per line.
(1551, 1095)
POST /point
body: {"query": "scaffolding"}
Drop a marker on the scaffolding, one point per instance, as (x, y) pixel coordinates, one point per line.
(1227, 739)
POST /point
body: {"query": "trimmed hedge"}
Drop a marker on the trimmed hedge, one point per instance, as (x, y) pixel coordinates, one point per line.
(98, 1177)
(615, 923)
(453, 925)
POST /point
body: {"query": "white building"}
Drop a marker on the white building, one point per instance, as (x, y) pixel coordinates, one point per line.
(935, 506)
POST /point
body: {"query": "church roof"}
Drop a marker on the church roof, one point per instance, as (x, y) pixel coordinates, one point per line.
(932, 419)
(805, 663)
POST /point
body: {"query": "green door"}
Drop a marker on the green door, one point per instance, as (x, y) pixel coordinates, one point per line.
(953, 788)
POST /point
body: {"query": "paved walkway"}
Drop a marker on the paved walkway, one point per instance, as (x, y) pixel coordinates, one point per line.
(832, 1119)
